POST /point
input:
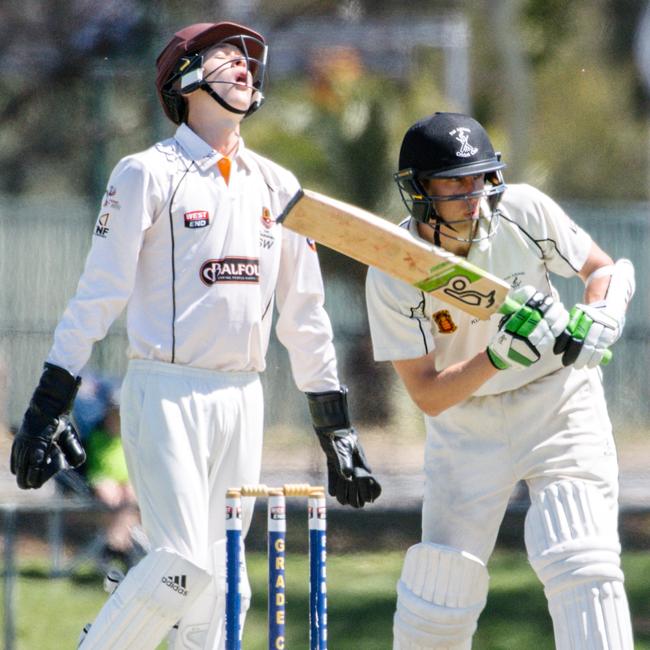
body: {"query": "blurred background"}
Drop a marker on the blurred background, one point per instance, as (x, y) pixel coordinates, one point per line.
(563, 89)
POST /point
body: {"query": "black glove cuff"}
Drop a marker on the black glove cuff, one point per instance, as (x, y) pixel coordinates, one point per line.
(56, 391)
(329, 411)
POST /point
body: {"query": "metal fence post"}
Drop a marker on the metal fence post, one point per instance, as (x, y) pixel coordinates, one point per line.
(9, 577)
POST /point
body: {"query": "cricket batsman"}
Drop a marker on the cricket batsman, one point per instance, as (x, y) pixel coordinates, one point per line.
(186, 240)
(514, 398)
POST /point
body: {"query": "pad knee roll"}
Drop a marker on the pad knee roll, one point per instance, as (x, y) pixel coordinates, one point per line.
(571, 536)
(573, 546)
(440, 596)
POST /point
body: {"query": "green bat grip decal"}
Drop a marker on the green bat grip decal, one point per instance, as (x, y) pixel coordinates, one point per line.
(510, 306)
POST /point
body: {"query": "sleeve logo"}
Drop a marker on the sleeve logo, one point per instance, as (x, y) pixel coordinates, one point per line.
(101, 228)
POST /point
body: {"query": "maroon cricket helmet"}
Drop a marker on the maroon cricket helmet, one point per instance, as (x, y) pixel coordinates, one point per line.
(194, 39)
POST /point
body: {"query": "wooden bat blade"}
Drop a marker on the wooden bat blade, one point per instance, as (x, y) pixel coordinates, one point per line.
(376, 242)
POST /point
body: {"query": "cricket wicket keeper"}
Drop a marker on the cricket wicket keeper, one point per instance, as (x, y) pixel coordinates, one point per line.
(187, 241)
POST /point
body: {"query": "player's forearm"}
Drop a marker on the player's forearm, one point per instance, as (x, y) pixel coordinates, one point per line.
(435, 392)
(595, 287)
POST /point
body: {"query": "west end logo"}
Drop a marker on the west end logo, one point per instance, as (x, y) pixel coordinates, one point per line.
(230, 269)
(462, 135)
(196, 219)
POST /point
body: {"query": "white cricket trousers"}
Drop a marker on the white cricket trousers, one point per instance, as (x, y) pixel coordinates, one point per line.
(189, 434)
(556, 428)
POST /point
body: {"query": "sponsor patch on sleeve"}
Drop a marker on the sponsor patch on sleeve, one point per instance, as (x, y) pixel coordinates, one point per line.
(102, 225)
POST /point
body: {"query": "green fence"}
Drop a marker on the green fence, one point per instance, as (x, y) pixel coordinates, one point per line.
(43, 244)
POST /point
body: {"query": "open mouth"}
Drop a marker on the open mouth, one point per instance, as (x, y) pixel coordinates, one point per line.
(241, 80)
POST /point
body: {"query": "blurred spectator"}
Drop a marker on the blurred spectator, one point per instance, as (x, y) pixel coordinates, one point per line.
(97, 415)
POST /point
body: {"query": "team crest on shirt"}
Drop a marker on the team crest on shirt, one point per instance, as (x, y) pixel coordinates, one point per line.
(230, 269)
(444, 321)
(196, 219)
(267, 220)
(267, 238)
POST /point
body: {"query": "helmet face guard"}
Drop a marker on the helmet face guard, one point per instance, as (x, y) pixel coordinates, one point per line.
(446, 146)
(421, 205)
(180, 66)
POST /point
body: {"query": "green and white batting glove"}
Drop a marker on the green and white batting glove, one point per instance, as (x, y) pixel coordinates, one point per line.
(528, 332)
(591, 331)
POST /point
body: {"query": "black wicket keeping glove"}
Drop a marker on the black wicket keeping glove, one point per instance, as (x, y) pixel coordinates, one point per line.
(350, 478)
(46, 441)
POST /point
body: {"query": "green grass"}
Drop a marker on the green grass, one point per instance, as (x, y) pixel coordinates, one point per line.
(361, 590)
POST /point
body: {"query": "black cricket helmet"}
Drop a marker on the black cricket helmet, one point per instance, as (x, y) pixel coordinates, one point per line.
(180, 65)
(446, 145)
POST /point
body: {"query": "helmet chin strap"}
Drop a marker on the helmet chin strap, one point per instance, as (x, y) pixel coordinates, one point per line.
(222, 102)
(435, 223)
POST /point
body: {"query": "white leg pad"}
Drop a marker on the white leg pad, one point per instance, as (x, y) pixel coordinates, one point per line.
(152, 597)
(203, 626)
(440, 596)
(572, 541)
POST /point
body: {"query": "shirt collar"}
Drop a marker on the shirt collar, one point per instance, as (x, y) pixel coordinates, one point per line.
(203, 155)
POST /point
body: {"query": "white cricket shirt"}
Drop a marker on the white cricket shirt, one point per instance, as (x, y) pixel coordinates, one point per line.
(534, 237)
(198, 263)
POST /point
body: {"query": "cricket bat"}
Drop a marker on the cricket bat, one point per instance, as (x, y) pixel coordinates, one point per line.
(374, 241)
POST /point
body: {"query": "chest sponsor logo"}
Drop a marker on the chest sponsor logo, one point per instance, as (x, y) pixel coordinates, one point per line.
(444, 322)
(101, 228)
(230, 269)
(196, 219)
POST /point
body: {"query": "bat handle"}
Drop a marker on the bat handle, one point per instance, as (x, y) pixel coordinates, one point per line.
(510, 306)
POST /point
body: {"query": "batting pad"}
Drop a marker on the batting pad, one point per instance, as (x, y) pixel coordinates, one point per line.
(440, 596)
(152, 597)
(572, 542)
